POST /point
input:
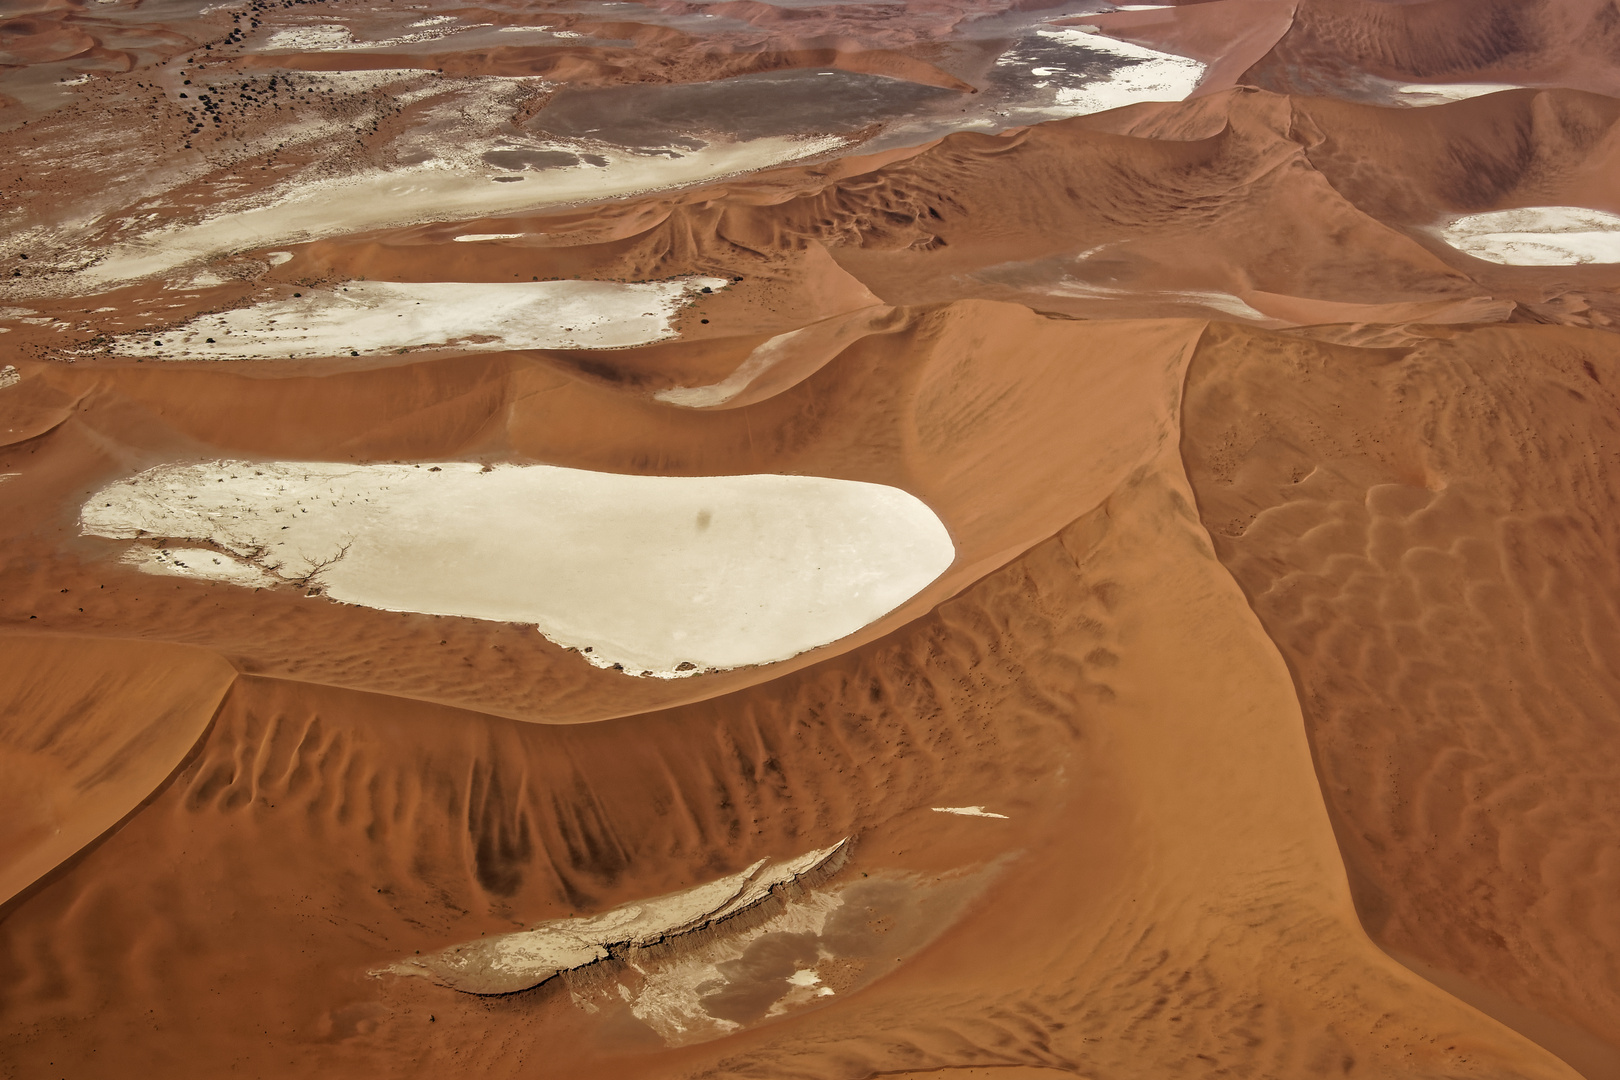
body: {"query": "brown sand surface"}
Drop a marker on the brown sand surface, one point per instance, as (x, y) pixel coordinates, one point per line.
(1272, 689)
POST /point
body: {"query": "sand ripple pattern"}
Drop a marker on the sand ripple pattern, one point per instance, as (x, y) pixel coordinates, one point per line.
(1429, 535)
(435, 825)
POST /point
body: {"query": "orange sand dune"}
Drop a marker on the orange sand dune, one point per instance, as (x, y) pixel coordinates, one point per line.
(69, 31)
(1263, 725)
(1167, 832)
(32, 41)
(1428, 535)
(1516, 148)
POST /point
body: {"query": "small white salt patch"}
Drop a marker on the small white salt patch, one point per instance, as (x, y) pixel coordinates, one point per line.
(507, 963)
(276, 258)
(967, 811)
(9, 377)
(328, 36)
(1424, 94)
(479, 237)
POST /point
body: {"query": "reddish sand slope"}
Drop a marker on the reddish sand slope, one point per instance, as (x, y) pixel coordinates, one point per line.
(1163, 830)
(92, 728)
(1264, 725)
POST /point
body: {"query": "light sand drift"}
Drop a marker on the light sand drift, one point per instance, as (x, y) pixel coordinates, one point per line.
(655, 575)
(368, 317)
(1538, 236)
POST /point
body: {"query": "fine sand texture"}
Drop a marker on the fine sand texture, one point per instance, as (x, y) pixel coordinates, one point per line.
(950, 540)
(93, 728)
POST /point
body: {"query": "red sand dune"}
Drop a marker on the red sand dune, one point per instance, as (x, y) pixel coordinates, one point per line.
(1272, 688)
(1437, 568)
(94, 727)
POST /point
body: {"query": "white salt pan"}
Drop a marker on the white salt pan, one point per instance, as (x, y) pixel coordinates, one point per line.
(510, 962)
(325, 36)
(382, 316)
(1154, 75)
(658, 575)
(198, 562)
(1538, 236)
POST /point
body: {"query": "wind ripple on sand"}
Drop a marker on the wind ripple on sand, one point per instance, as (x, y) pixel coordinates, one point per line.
(1429, 535)
(1175, 937)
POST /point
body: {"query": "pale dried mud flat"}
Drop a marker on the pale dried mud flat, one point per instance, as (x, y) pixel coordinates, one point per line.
(925, 540)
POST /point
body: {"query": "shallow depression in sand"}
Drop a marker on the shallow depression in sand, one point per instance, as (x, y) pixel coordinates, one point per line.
(1538, 236)
(364, 317)
(655, 575)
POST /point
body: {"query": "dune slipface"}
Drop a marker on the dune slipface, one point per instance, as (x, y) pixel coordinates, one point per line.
(804, 539)
(93, 730)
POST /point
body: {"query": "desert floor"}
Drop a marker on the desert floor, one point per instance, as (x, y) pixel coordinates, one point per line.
(923, 539)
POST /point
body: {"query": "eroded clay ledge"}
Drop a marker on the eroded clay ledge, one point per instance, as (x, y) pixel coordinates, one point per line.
(509, 963)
